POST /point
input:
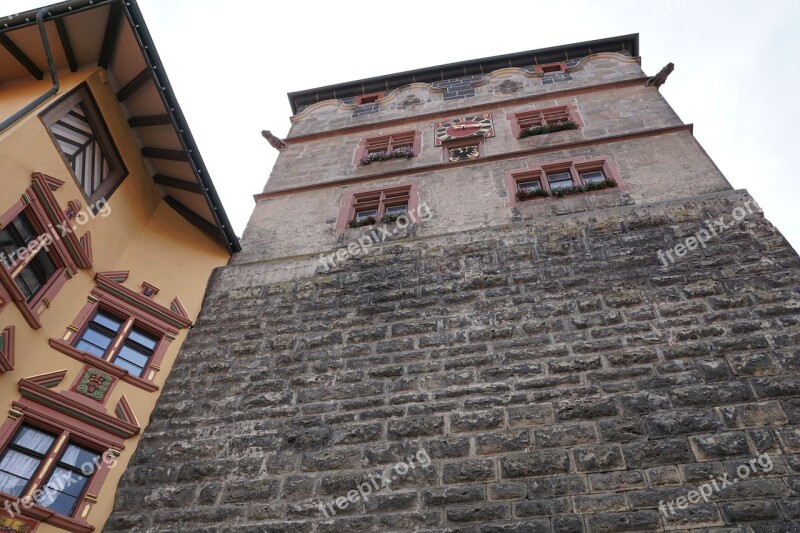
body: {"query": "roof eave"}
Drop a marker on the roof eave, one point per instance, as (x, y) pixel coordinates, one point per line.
(150, 54)
(628, 42)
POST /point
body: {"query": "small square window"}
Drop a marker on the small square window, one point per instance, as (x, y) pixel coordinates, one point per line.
(529, 185)
(550, 68)
(363, 215)
(399, 209)
(368, 98)
(560, 180)
(592, 176)
(83, 140)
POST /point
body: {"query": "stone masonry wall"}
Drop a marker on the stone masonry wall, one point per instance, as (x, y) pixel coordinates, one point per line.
(559, 377)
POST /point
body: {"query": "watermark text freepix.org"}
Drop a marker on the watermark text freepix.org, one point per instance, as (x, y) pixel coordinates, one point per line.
(47, 495)
(363, 244)
(717, 484)
(378, 481)
(713, 228)
(56, 233)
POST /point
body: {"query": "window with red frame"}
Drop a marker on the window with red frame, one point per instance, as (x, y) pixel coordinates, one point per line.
(31, 271)
(368, 98)
(549, 68)
(562, 178)
(550, 120)
(28, 457)
(120, 341)
(389, 142)
(373, 205)
(404, 144)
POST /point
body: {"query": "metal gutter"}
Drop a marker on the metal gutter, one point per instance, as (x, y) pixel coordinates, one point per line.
(7, 123)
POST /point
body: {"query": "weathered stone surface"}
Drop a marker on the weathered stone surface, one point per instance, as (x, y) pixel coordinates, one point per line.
(506, 414)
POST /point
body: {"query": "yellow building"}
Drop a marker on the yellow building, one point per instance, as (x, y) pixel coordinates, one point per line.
(109, 230)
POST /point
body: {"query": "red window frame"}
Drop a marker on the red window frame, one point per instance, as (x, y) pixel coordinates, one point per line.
(550, 68)
(135, 309)
(26, 412)
(536, 117)
(377, 199)
(68, 252)
(369, 98)
(574, 166)
(385, 143)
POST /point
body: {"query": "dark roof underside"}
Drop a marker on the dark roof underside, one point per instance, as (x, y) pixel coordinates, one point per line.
(112, 34)
(625, 43)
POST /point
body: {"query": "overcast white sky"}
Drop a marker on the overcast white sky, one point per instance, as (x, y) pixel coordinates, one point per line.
(231, 64)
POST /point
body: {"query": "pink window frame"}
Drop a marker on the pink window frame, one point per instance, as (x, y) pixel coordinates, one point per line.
(102, 299)
(361, 150)
(575, 166)
(347, 212)
(571, 109)
(66, 430)
(44, 213)
(369, 98)
(549, 68)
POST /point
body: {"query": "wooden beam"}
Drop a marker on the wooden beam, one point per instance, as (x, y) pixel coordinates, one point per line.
(20, 56)
(194, 218)
(110, 38)
(175, 183)
(134, 85)
(66, 44)
(149, 120)
(163, 153)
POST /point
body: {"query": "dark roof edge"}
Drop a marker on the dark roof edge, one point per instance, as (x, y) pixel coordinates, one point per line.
(149, 51)
(629, 43)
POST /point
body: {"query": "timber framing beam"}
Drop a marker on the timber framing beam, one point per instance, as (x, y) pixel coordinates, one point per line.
(63, 35)
(134, 85)
(175, 183)
(110, 37)
(164, 153)
(20, 56)
(193, 218)
(149, 120)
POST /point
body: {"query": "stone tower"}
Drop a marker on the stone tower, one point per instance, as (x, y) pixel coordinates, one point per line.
(512, 294)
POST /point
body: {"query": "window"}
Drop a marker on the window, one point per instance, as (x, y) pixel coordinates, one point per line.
(366, 213)
(549, 68)
(592, 176)
(22, 458)
(528, 186)
(36, 260)
(30, 270)
(363, 208)
(368, 98)
(25, 458)
(136, 348)
(560, 178)
(82, 138)
(399, 209)
(397, 145)
(541, 121)
(123, 332)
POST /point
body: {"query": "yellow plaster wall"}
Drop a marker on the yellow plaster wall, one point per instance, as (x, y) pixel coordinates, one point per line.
(141, 234)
